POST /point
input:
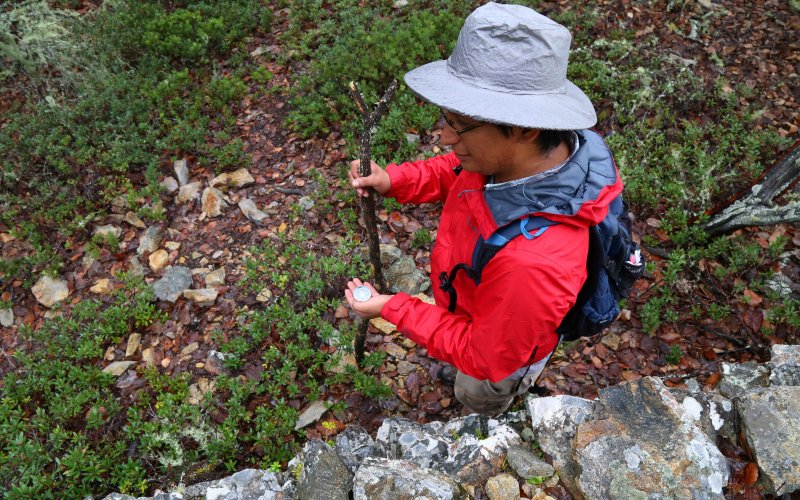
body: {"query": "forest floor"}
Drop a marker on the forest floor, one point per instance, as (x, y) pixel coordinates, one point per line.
(760, 50)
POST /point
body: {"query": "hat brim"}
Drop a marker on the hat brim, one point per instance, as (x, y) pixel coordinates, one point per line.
(570, 110)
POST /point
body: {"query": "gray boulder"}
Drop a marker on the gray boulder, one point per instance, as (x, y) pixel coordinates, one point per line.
(555, 421)
(526, 464)
(714, 414)
(246, 484)
(323, 474)
(400, 438)
(643, 445)
(738, 379)
(353, 445)
(785, 365)
(770, 420)
(385, 479)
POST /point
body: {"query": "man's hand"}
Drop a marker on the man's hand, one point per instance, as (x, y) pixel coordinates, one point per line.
(369, 308)
(378, 180)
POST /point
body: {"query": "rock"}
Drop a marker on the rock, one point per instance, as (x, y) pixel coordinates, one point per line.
(134, 220)
(769, 417)
(172, 245)
(239, 178)
(306, 203)
(399, 4)
(188, 192)
(7, 317)
(311, 414)
(107, 230)
(245, 484)
(190, 349)
(134, 341)
(149, 240)
(102, 286)
(526, 464)
(323, 474)
(502, 487)
(148, 357)
(251, 211)
(216, 277)
(136, 268)
(401, 438)
(711, 412)
(117, 368)
(738, 379)
(169, 184)
(49, 291)
(181, 169)
(643, 445)
(785, 365)
(402, 275)
(475, 425)
(203, 297)
(411, 138)
(197, 391)
(353, 445)
(176, 279)
(341, 363)
(158, 259)
(555, 422)
(265, 295)
(389, 254)
(213, 202)
(380, 478)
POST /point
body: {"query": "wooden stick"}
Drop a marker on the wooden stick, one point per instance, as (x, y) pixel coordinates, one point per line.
(367, 203)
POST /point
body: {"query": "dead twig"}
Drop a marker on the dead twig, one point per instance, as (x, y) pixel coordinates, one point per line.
(367, 203)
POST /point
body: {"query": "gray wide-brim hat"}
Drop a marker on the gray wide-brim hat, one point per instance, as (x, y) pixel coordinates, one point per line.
(509, 67)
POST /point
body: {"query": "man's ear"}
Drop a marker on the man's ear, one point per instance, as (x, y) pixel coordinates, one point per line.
(528, 135)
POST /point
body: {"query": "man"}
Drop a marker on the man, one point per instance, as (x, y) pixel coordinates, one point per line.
(517, 130)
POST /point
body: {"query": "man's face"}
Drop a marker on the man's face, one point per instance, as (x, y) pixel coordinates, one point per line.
(481, 147)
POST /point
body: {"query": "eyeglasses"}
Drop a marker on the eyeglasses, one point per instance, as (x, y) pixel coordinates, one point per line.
(464, 130)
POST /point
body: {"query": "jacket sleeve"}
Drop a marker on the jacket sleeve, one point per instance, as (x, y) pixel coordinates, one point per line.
(422, 181)
(517, 310)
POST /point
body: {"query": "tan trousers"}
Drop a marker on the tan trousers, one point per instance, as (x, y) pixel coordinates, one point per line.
(493, 398)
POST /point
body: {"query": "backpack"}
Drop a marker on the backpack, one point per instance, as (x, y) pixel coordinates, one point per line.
(613, 263)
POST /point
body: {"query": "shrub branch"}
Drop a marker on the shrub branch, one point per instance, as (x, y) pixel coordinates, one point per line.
(757, 208)
(367, 203)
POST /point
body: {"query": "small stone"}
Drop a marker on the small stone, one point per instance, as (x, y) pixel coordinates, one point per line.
(169, 184)
(526, 464)
(265, 295)
(134, 341)
(306, 203)
(165, 362)
(188, 192)
(251, 211)
(412, 138)
(217, 254)
(102, 286)
(149, 240)
(172, 245)
(213, 202)
(49, 291)
(108, 230)
(181, 171)
(190, 349)
(611, 341)
(216, 277)
(134, 220)
(148, 357)
(197, 391)
(117, 368)
(383, 325)
(158, 259)
(203, 297)
(176, 279)
(502, 487)
(394, 350)
(311, 414)
(239, 178)
(7, 317)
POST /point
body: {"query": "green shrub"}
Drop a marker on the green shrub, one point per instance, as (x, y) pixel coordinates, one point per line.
(59, 432)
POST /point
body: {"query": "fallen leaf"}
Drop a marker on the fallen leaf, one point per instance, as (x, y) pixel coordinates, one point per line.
(750, 473)
(752, 298)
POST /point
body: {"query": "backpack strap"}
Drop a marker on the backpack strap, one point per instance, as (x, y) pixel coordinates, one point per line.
(530, 227)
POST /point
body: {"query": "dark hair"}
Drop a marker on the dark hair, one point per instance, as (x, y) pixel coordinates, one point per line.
(547, 141)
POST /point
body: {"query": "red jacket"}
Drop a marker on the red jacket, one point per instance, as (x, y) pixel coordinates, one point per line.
(509, 320)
